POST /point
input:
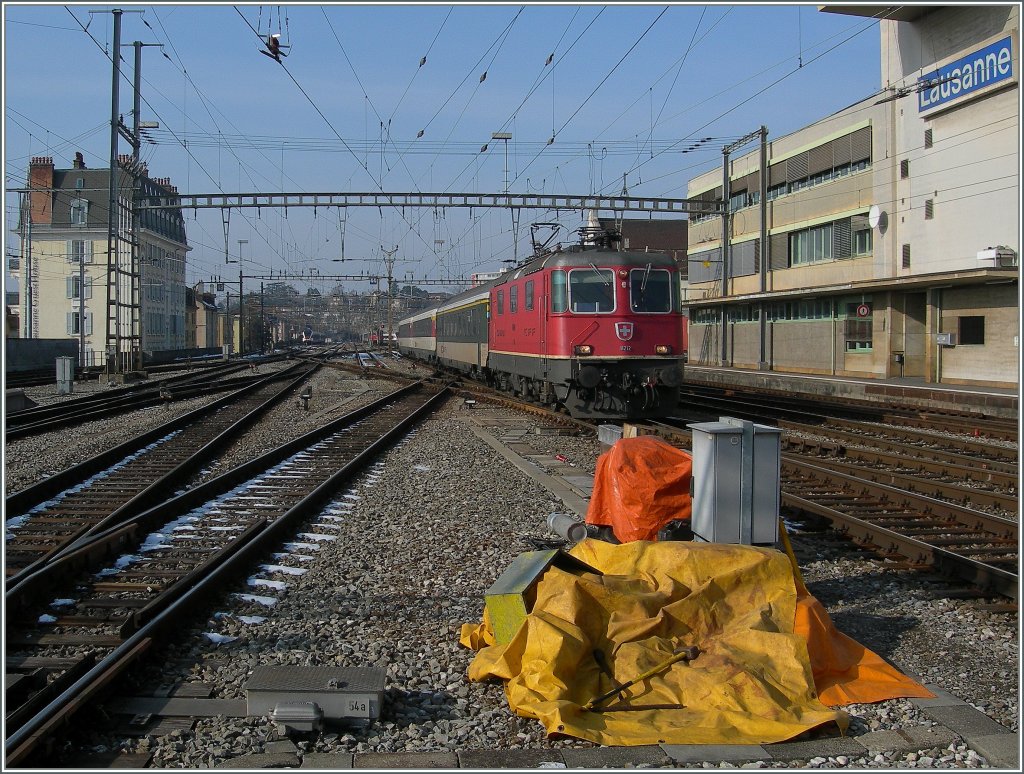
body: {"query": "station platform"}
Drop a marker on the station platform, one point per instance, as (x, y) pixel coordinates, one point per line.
(907, 391)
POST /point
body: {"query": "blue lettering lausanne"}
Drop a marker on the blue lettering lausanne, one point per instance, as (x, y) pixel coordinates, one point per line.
(975, 71)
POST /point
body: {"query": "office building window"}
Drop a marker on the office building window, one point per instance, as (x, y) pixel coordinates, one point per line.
(811, 245)
(862, 242)
(971, 330)
(857, 331)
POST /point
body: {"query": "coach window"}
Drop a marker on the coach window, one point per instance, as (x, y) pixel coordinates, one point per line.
(559, 292)
(528, 295)
(650, 290)
(500, 303)
(592, 290)
(513, 299)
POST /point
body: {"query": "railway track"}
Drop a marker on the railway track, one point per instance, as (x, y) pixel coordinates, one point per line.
(776, 405)
(181, 552)
(48, 518)
(74, 412)
(976, 547)
(924, 497)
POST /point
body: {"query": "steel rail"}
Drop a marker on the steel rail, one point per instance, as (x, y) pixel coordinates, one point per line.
(997, 526)
(15, 585)
(981, 427)
(20, 744)
(115, 537)
(909, 450)
(31, 496)
(136, 402)
(851, 487)
(771, 398)
(973, 531)
(964, 495)
(972, 447)
(36, 413)
(885, 540)
(799, 445)
(769, 404)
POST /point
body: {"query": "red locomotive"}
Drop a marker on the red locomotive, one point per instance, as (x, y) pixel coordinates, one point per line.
(591, 328)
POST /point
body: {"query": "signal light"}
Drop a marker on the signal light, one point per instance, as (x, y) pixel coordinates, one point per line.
(583, 349)
(663, 349)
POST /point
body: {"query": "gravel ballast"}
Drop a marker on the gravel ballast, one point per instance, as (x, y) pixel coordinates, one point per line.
(406, 555)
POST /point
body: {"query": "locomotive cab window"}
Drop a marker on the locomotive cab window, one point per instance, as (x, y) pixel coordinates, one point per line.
(513, 299)
(528, 295)
(650, 290)
(500, 302)
(592, 290)
(559, 292)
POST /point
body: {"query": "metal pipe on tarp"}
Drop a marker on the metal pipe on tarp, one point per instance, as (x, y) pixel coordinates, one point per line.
(567, 526)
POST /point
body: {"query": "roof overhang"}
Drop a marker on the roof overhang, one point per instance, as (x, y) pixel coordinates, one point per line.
(903, 13)
(988, 276)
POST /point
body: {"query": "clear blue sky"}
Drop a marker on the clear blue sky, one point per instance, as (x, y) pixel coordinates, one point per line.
(629, 87)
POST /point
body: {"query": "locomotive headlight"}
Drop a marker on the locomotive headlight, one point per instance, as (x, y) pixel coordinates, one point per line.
(583, 349)
(663, 349)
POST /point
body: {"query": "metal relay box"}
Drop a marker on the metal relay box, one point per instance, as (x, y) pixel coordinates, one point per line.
(735, 482)
(340, 692)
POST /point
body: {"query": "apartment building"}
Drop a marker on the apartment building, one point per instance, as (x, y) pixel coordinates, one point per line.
(64, 267)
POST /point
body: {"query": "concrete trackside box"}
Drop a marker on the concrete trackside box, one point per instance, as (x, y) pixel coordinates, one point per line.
(341, 692)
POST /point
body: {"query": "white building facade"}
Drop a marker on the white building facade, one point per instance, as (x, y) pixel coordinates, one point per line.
(64, 268)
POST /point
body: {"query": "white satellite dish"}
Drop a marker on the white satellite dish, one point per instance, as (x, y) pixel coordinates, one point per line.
(874, 216)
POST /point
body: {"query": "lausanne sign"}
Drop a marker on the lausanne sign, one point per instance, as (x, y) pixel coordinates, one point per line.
(966, 75)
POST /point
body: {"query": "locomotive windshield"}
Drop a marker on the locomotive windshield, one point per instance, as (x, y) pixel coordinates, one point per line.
(650, 290)
(592, 290)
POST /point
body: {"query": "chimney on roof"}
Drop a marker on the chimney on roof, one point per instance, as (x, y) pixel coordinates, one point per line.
(40, 175)
(79, 162)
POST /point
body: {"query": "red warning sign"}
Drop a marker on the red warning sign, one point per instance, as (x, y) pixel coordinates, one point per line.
(863, 310)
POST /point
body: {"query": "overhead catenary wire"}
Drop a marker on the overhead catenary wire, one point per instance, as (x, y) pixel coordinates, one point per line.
(761, 91)
(329, 124)
(146, 101)
(423, 61)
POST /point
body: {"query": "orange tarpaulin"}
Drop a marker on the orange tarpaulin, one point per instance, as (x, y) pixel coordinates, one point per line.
(845, 672)
(640, 485)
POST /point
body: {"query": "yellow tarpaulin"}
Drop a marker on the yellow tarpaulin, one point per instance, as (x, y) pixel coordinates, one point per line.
(752, 682)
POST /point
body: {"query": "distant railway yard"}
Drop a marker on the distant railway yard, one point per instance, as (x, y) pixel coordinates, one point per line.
(328, 512)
